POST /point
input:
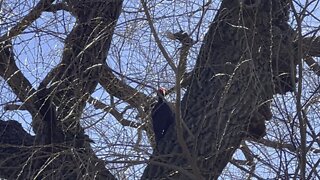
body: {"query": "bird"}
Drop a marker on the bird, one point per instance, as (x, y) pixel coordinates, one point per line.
(162, 116)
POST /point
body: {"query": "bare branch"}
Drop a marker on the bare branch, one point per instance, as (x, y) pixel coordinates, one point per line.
(311, 46)
(156, 37)
(282, 145)
(277, 145)
(58, 7)
(119, 89)
(186, 42)
(247, 153)
(119, 117)
(13, 107)
(28, 19)
(14, 77)
(235, 163)
(314, 66)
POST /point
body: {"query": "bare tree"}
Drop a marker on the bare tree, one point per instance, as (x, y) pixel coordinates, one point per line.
(242, 78)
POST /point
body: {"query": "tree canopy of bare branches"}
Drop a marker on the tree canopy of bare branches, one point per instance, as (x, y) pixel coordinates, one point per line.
(79, 79)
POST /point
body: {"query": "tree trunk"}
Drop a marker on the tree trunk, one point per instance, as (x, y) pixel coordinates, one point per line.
(247, 56)
(61, 150)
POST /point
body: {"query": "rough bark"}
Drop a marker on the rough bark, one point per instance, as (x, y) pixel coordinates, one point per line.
(246, 57)
(14, 146)
(60, 149)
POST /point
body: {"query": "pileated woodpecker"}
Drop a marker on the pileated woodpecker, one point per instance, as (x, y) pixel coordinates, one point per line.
(162, 116)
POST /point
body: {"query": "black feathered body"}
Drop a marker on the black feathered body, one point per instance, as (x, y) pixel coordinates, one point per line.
(162, 118)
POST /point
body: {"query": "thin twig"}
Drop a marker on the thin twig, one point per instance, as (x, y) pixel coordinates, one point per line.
(33, 15)
(156, 37)
(117, 115)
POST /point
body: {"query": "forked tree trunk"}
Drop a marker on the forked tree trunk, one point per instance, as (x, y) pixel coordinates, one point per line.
(247, 56)
(60, 149)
